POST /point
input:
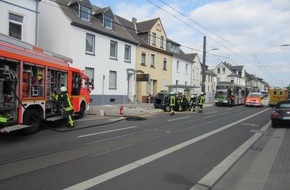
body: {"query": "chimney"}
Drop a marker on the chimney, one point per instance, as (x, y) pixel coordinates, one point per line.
(134, 21)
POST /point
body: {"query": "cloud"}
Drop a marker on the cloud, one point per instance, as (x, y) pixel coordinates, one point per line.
(243, 30)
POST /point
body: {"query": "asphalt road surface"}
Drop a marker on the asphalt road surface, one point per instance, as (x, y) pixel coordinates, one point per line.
(166, 152)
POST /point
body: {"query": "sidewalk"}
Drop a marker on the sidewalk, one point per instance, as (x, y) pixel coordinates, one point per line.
(265, 166)
(129, 109)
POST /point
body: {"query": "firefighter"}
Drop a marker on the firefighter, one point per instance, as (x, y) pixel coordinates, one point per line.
(232, 99)
(67, 105)
(172, 99)
(193, 100)
(200, 102)
(179, 101)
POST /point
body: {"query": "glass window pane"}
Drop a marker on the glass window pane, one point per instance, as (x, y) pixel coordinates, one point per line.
(15, 30)
(85, 13)
(113, 79)
(127, 53)
(108, 22)
(15, 17)
(113, 49)
(90, 43)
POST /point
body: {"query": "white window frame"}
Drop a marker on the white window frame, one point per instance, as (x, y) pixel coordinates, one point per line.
(162, 42)
(91, 43)
(143, 58)
(152, 60)
(107, 21)
(113, 49)
(127, 56)
(85, 12)
(15, 22)
(154, 38)
(177, 66)
(186, 68)
(164, 64)
(113, 80)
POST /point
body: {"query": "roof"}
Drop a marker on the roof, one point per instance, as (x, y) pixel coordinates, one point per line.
(145, 26)
(94, 24)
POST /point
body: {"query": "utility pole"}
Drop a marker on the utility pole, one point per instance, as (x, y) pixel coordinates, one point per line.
(203, 65)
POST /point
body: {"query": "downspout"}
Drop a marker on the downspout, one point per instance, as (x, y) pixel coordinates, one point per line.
(36, 22)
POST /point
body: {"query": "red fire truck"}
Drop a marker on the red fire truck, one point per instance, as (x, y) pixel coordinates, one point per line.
(29, 76)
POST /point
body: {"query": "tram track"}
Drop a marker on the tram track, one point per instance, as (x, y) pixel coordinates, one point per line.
(47, 160)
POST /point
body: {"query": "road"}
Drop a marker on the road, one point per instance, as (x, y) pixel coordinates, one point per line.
(162, 152)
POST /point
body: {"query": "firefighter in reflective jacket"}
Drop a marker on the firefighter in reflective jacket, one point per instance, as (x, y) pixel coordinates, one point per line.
(200, 101)
(67, 105)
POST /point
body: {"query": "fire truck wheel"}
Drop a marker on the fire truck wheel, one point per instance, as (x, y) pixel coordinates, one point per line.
(82, 110)
(31, 117)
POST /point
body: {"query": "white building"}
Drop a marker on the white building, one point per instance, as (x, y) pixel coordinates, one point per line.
(196, 73)
(182, 66)
(19, 19)
(96, 42)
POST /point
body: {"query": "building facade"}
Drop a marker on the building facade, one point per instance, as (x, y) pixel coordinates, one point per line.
(97, 43)
(20, 19)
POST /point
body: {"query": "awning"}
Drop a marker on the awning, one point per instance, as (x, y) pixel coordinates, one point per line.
(181, 86)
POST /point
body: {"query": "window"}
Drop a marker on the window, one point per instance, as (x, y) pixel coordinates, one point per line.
(186, 68)
(15, 26)
(219, 70)
(152, 60)
(164, 64)
(127, 53)
(113, 49)
(108, 22)
(224, 70)
(153, 38)
(85, 13)
(113, 80)
(90, 44)
(143, 58)
(176, 82)
(162, 42)
(76, 84)
(177, 66)
(90, 73)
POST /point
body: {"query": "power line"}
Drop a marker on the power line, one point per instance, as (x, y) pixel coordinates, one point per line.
(201, 31)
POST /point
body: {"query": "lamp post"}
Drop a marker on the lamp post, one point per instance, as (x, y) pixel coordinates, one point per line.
(204, 63)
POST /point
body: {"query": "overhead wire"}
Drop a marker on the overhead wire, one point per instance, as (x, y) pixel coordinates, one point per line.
(189, 25)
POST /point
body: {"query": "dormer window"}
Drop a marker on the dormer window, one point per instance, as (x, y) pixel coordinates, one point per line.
(82, 11)
(85, 13)
(108, 22)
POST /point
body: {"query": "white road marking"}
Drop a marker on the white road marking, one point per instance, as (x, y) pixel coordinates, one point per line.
(103, 132)
(179, 118)
(124, 169)
(215, 174)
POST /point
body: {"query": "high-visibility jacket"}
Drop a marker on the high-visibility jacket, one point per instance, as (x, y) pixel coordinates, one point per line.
(201, 100)
(63, 97)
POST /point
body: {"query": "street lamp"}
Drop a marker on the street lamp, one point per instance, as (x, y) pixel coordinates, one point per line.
(204, 62)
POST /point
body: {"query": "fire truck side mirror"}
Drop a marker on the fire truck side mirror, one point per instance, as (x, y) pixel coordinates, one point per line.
(91, 84)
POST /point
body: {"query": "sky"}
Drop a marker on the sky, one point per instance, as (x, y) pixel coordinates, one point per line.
(253, 33)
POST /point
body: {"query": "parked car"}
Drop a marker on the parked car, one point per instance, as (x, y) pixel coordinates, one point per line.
(254, 99)
(281, 114)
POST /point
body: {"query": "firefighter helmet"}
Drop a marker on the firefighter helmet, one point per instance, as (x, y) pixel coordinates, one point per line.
(63, 89)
